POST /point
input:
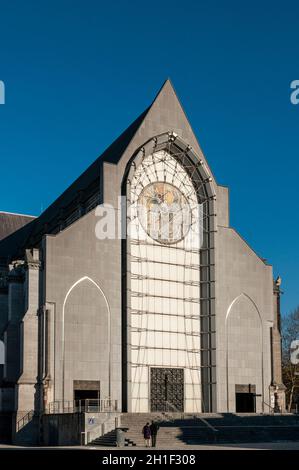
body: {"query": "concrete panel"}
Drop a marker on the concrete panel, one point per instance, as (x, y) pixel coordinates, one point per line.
(239, 271)
(72, 255)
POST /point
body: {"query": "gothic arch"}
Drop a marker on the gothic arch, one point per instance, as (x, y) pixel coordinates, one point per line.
(204, 186)
(229, 314)
(236, 300)
(71, 289)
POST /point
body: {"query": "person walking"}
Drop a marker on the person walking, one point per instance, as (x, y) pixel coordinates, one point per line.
(154, 427)
(147, 435)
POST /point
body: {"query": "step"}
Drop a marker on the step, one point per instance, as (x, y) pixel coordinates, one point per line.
(175, 431)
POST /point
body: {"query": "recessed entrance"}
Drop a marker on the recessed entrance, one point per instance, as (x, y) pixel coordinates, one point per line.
(86, 390)
(245, 403)
(245, 399)
(167, 389)
(86, 394)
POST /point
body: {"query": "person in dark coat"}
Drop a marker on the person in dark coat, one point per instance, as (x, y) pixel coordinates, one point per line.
(154, 427)
(147, 435)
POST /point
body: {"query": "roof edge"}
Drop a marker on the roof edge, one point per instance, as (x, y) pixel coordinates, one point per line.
(19, 215)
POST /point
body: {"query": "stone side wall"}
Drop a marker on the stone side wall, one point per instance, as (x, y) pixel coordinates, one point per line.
(72, 257)
(5, 427)
(62, 429)
(244, 315)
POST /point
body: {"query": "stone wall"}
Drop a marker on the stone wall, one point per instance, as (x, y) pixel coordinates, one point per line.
(62, 429)
(244, 316)
(5, 427)
(83, 296)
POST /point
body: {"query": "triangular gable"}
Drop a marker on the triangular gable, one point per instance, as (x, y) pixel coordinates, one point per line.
(165, 114)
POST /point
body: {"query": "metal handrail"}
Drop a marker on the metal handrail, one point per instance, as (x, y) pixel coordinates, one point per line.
(100, 430)
(205, 422)
(271, 409)
(78, 406)
(168, 407)
(24, 420)
(171, 405)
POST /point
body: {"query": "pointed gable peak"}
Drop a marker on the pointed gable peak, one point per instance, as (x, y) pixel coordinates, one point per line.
(166, 87)
(166, 113)
(167, 90)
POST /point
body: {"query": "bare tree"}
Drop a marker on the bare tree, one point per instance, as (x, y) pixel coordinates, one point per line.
(290, 372)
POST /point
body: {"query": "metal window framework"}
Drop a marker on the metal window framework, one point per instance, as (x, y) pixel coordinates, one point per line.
(198, 173)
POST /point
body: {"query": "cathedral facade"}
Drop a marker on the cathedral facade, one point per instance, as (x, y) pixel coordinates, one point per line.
(174, 310)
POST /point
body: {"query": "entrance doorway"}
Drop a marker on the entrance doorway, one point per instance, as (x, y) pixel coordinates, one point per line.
(86, 390)
(245, 399)
(245, 403)
(167, 389)
(86, 395)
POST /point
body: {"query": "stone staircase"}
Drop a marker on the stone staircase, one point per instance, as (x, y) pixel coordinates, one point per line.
(107, 440)
(180, 430)
(175, 429)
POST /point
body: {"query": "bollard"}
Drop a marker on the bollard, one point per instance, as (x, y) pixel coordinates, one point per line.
(120, 437)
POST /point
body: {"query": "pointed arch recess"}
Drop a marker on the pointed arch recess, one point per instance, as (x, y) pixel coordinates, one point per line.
(88, 279)
(228, 313)
(205, 189)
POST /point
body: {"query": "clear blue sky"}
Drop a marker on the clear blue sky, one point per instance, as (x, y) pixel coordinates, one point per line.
(78, 72)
